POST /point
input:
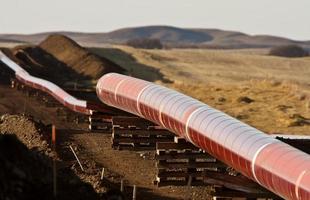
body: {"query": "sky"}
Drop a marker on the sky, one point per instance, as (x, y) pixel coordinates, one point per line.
(286, 18)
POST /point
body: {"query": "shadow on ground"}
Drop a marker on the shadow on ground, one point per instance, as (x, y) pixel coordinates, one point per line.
(27, 174)
(133, 67)
(112, 179)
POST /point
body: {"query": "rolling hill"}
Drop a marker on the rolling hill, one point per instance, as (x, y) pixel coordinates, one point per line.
(173, 36)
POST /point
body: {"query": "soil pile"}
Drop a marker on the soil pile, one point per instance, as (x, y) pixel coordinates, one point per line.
(78, 58)
(26, 130)
(26, 164)
(44, 65)
(25, 168)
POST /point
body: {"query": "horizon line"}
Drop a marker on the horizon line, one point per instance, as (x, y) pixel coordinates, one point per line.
(144, 26)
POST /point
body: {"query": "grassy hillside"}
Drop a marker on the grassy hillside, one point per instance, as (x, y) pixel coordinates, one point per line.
(220, 66)
(173, 36)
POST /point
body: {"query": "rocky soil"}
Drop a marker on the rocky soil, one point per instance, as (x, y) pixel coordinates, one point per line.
(27, 165)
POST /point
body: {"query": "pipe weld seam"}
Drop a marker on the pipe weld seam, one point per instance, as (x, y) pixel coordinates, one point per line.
(254, 160)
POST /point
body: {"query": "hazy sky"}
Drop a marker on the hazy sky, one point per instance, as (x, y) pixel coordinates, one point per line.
(289, 18)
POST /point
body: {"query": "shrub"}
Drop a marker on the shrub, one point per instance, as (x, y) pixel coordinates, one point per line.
(145, 43)
(288, 51)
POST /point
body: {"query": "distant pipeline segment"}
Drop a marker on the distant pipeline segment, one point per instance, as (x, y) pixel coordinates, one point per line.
(273, 164)
(59, 94)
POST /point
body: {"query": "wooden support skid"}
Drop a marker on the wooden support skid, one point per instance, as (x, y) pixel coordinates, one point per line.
(180, 163)
(222, 193)
(100, 122)
(177, 162)
(133, 133)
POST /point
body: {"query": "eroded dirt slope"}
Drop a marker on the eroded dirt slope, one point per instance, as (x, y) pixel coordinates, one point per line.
(26, 164)
(76, 57)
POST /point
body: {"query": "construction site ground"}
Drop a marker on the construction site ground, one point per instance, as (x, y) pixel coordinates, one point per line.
(271, 105)
(94, 150)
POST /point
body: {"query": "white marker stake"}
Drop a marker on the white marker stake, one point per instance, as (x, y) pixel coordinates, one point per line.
(76, 157)
(122, 185)
(134, 193)
(102, 174)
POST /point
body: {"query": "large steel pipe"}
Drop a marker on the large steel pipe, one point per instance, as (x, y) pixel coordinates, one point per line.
(275, 165)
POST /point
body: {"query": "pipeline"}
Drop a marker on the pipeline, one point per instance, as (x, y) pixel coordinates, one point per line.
(273, 164)
(59, 94)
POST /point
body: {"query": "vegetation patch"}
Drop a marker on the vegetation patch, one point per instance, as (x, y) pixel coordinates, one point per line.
(291, 51)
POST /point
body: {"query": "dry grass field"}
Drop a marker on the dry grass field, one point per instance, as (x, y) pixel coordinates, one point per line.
(228, 66)
(277, 86)
(269, 106)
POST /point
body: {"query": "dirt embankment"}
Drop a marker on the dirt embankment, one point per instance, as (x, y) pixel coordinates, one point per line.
(64, 62)
(26, 164)
(76, 57)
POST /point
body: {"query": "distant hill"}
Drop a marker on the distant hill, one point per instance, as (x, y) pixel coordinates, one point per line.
(177, 37)
(8, 40)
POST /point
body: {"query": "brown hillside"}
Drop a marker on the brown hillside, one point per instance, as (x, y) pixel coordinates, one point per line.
(168, 35)
(76, 57)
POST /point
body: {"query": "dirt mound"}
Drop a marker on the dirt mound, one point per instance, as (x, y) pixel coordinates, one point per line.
(76, 57)
(26, 164)
(27, 130)
(44, 65)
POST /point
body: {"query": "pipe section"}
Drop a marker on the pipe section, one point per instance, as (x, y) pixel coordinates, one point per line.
(59, 94)
(273, 164)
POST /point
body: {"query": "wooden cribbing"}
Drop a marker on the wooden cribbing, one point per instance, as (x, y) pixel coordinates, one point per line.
(134, 133)
(177, 162)
(100, 122)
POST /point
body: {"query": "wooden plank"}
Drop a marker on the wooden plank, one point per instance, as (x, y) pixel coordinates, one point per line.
(175, 165)
(163, 174)
(179, 140)
(239, 183)
(103, 108)
(95, 128)
(141, 140)
(117, 130)
(91, 119)
(101, 124)
(99, 129)
(161, 183)
(131, 121)
(162, 155)
(175, 146)
(99, 115)
(105, 118)
(134, 147)
(184, 156)
(228, 193)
